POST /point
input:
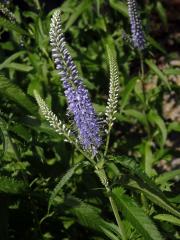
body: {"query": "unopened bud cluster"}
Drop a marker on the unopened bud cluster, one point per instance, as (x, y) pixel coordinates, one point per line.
(114, 88)
(53, 120)
(5, 12)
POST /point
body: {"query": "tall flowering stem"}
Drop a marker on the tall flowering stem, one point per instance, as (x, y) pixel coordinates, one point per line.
(79, 104)
(112, 103)
(136, 26)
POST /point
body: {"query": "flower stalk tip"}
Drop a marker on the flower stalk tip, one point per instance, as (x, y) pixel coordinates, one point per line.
(138, 38)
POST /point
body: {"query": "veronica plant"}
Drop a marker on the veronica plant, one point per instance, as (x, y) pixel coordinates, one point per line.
(80, 106)
(89, 137)
(49, 172)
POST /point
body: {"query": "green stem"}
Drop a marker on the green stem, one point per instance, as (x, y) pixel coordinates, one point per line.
(37, 4)
(107, 141)
(118, 219)
(79, 149)
(104, 180)
(108, 137)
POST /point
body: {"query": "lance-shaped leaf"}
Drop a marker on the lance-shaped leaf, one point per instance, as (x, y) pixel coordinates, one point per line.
(14, 93)
(136, 216)
(62, 182)
(144, 184)
(89, 216)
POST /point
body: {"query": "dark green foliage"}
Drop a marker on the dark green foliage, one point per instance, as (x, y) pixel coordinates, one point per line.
(136, 216)
(12, 186)
(49, 189)
(14, 93)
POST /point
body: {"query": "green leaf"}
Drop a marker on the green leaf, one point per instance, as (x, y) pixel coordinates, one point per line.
(127, 91)
(20, 131)
(154, 118)
(19, 67)
(5, 23)
(109, 234)
(165, 177)
(119, 6)
(2, 139)
(136, 216)
(156, 198)
(133, 168)
(171, 71)
(99, 108)
(145, 184)
(174, 126)
(89, 216)
(111, 228)
(137, 115)
(11, 186)
(157, 71)
(148, 159)
(67, 6)
(175, 199)
(155, 44)
(100, 24)
(61, 183)
(162, 13)
(168, 218)
(14, 93)
(11, 58)
(80, 9)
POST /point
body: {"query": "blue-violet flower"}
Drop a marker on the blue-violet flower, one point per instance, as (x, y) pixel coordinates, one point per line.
(79, 103)
(136, 26)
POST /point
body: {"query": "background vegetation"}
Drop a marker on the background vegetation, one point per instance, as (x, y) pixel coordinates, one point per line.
(144, 143)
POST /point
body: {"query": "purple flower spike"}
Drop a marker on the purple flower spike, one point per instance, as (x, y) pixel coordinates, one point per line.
(77, 96)
(136, 26)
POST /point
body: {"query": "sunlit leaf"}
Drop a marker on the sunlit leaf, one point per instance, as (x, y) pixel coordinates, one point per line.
(168, 218)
